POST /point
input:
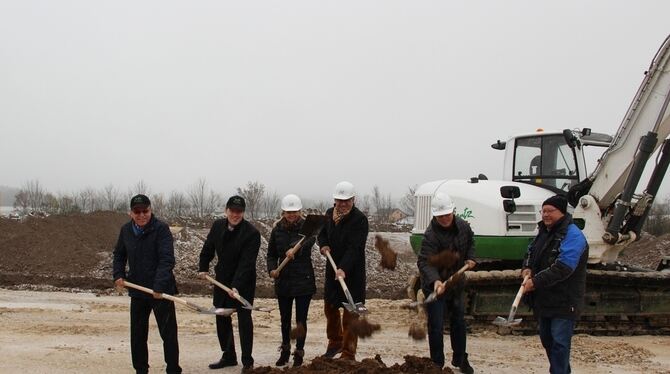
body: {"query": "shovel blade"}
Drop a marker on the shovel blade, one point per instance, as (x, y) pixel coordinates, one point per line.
(312, 224)
(505, 322)
(357, 308)
(226, 312)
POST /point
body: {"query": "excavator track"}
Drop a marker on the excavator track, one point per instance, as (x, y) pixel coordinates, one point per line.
(616, 302)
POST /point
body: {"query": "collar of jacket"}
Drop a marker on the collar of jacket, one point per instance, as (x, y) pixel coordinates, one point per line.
(453, 228)
(235, 228)
(138, 231)
(285, 225)
(561, 224)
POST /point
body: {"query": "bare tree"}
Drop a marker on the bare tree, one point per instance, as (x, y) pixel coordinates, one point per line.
(111, 197)
(35, 194)
(408, 201)
(364, 203)
(382, 204)
(253, 194)
(21, 201)
(177, 204)
(271, 204)
(158, 204)
(197, 196)
(51, 204)
(658, 221)
(212, 202)
(67, 204)
(139, 188)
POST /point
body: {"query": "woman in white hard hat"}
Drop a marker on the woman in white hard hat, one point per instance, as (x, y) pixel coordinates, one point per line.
(296, 279)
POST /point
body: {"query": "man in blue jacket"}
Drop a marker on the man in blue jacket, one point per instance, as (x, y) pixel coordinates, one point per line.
(556, 265)
(146, 245)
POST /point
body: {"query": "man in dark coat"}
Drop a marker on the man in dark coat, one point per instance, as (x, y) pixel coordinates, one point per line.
(344, 235)
(556, 267)
(446, 232)
(146, 245)
(235, 242)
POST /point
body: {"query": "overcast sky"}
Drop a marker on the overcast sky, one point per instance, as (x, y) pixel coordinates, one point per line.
(302, 94)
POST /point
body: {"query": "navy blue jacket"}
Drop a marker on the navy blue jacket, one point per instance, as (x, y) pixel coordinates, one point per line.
(557, 258)
(150, 258)
(297, 277)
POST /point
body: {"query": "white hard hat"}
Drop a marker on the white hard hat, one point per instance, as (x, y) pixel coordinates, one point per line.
(344, 191)
(441, 204)
(291, 203)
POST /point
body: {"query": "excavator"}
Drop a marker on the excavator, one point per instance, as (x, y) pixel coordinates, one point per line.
(503, 214)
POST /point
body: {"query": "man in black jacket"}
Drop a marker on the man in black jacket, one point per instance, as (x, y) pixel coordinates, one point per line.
(556, 267)
(235, 242)
(446, 232)
(344, 236)
(146, 245)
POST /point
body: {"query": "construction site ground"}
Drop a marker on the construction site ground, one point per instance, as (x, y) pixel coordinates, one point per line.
(59, 314)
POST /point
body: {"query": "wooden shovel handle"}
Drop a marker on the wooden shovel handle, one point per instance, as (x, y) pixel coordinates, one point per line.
(293, 251)
(151, 292)
(332, 263)
(517, 299)
(223, 287)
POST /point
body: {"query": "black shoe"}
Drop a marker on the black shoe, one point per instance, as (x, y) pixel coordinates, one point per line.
(331, 352)
(298, 356)
(284, 355)
(223, 362)
(464, 365)
(247, 368)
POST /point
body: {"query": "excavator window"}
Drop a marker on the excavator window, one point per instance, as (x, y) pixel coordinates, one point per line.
(546, 161)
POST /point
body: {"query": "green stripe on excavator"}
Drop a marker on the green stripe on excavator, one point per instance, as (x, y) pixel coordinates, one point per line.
(492, 247)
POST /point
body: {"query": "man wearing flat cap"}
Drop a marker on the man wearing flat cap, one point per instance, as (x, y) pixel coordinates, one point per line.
(235, 242)
(556, 269)
(146, 245)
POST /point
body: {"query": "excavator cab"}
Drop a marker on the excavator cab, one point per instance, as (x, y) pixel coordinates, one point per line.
(546, 160)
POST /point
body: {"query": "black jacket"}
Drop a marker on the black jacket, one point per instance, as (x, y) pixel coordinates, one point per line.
(559, 288)
(297, 277)
(459, 237)
(236, 253)
(347, 247)
(150, 258)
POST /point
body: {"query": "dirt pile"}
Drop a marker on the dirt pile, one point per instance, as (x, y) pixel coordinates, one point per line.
(412, 364)
(646, 252)
(587, 349)
(59, 245)
(75, 251)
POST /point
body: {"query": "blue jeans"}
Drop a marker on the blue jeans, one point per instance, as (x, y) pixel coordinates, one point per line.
(556, 334)
(435, 311)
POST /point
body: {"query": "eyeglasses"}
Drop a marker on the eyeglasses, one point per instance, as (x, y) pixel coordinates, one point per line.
(547, 211)
(140, 211)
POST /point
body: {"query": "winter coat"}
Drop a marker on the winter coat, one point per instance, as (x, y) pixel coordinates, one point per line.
(236, 253)
(297, 277)
(557, 258)
(347, 247)
(150, 258)
(458, 238)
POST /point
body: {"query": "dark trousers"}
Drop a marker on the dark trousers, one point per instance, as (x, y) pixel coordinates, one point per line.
(224, 330)
(164, 312)
(435, 312)
(337, 330)
(301, 310)
(556, 336)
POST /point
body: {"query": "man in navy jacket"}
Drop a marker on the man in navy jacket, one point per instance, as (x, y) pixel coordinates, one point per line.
(146, 245)
(556, 264)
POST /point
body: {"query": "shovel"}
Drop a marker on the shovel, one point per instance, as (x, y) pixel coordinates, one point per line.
(311, 227)
(433, 295)
(243, 301)
(350, 306)
(218, 311)
(510, 321)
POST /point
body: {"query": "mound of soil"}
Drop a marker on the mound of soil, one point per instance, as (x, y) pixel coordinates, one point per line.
(58, 245)
(646, 252)
(75, 252)
(412, 364)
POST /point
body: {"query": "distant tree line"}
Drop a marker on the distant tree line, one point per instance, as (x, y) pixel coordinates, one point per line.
(200, 200)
